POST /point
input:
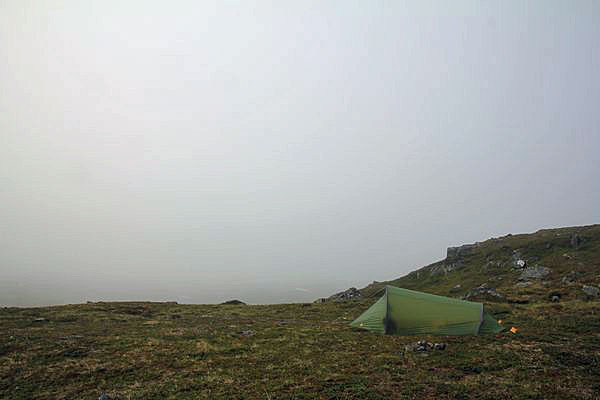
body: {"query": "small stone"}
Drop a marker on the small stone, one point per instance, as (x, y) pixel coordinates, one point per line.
(104, 396)
(440, 346)
(247, 333)
(40, 320)
(555, 299)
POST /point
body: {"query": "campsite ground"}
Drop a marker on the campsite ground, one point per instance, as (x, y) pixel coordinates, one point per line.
(294, 351)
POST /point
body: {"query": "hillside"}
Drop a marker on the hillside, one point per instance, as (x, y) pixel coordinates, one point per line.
(513, 268)
(142, 350)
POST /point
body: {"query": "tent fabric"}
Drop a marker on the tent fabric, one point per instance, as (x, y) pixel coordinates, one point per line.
(408, 312)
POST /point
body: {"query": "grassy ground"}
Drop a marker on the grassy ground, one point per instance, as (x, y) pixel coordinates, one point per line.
(297, 351)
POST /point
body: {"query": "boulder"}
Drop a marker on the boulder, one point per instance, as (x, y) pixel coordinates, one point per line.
(591, 291)
(535, 272)
(517, 260)
(569, 278)
(485, 292)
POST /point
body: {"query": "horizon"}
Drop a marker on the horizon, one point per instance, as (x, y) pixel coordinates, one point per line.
(280, 153)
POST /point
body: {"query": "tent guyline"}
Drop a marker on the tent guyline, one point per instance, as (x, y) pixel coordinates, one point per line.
(408, 312)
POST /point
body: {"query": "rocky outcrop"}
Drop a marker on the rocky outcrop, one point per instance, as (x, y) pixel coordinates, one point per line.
(591, 291)
(455, 253)
(349, 294)
(483, 292)
(233, 303)
(570, 278)
(535, 272)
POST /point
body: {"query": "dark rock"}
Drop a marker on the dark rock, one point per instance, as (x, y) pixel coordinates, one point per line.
(233, 303)
(535, 272)
(591, 291)
(555, 299)
(440, 346)
(352, 293)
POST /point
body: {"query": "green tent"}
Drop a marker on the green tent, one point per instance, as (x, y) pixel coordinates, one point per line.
(406, 312)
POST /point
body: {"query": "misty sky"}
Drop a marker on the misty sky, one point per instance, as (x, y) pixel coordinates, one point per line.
(279, 151)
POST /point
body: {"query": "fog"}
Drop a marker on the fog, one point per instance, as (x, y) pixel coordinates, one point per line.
(283, 151)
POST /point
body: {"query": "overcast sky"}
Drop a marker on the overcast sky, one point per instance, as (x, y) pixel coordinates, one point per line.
(279, 151)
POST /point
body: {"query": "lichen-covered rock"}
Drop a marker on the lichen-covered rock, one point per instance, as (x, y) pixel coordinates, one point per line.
(591, 291)
(483, 291)
(569, 278)
(535, 272)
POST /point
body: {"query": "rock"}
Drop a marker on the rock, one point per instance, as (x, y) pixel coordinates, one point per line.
(518, 261)
(440, 346)
(423, 346)
(233, 303)
(454, 253)
(456, 288)
(569, 278)
(591, 291)
(247, 333)
(535, 272)
(104, 396)
(352, 293)
(483, 291)
(523, 284)
(555, 299)
(38, 320)
(71, 337)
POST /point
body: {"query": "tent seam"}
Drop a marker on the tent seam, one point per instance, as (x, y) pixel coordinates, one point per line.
(480, 321)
